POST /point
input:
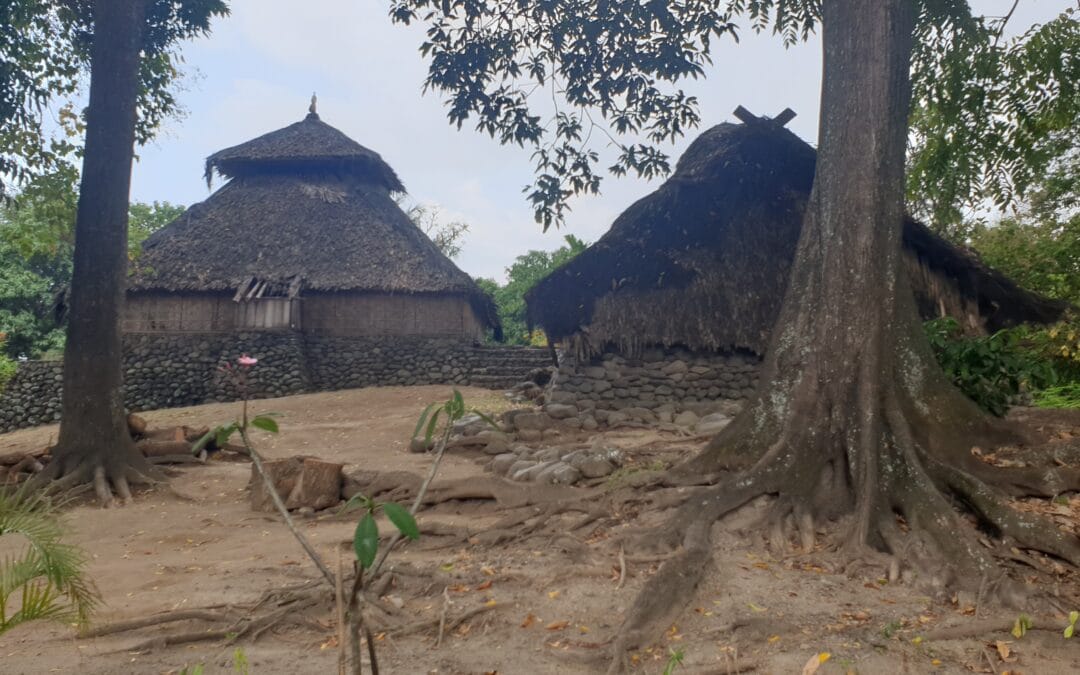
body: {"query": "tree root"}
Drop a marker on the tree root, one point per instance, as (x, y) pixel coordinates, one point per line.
(205, 614)
(429, 624)
(982, 627)
(110, 479)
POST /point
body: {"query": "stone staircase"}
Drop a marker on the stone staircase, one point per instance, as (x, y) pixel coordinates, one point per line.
(506, 366)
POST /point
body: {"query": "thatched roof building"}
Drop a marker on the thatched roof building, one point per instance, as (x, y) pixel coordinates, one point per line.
(304, 235)
(703, 261)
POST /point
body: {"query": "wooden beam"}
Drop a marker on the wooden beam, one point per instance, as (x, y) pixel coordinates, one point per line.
(784, 117)
(745, 116)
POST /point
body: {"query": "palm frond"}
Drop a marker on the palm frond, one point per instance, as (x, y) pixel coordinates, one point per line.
(48, 577)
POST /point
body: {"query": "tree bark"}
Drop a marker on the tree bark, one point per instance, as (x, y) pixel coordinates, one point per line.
(853, 420)
(94, 441)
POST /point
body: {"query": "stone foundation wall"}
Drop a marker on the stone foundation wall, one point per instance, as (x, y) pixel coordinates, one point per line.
(166, 371)
(661, 377)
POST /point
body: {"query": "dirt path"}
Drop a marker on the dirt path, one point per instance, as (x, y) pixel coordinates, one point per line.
(556, 599)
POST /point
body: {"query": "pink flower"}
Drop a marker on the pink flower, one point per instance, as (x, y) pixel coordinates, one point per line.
(246, 360)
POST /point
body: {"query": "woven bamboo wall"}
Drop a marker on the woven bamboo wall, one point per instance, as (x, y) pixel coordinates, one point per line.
(163, 313)
(364, 314)
(329, 315)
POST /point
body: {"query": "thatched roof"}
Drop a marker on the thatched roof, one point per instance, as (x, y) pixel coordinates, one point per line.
(312, 228)
(703, 261)
(310, 145)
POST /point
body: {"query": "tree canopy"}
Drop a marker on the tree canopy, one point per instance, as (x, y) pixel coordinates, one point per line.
(989, 113)
(45, 65)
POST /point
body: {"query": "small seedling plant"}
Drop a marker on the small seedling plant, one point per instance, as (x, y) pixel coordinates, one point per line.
(369, 560)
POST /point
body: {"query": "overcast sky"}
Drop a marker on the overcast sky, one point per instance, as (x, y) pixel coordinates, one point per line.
(257, 70)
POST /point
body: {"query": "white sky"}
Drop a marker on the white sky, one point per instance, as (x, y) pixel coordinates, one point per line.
(257, 70)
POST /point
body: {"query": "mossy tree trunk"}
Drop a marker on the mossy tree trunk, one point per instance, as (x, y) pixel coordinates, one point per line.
(94, 443)
(854, 421)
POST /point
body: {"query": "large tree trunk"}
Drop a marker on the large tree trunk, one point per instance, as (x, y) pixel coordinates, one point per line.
(94, 442)
(854, 421)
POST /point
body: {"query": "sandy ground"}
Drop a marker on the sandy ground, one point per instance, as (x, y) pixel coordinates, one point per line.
(553, 601)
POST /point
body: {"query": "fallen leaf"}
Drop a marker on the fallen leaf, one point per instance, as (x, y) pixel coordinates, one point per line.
(489, 571)
(557, 625)
(490, 603)
(815, 662)
(1003, 650)
(553, 594)
(330, 643)
(756, 608)
(773, 639)
(484, 586)
(530, 619)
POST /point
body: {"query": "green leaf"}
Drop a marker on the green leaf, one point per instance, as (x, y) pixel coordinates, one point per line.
(223, 434)
(366, 541)
(265, 423)
(430, 433)
(423, 418)
(455, 408)
(487, 419)
(1069, 631)
(402, 520)
(356, 499)
(198, 445)
(1022, 625)
(1074, 616)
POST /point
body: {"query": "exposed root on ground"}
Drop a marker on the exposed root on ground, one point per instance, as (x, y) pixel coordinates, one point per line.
(901, 487)
(111, 477)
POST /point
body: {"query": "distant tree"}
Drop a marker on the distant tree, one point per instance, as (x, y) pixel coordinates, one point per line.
(448, 237)
(36, 242)
(45, 50)
(1041, 254)
(145, 219)
(991, 115)
(526, 270)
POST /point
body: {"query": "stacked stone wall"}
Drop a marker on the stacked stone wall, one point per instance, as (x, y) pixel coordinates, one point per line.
(165, 371)
(660, 377)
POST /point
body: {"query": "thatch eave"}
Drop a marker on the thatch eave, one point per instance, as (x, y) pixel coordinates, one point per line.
(703, 261)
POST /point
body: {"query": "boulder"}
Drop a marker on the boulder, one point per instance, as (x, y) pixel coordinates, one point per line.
(640, 414)
(501, 464)
(711, 425)
(531, 472)
(594, 466)
(616, 418)
(532, 420)
(686, 418)
(519, 467)
(559, 473)
(675, 367)
(497, 445)
(560, 411)
(589, 423)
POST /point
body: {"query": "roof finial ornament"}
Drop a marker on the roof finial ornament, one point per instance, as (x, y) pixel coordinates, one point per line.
(311, 108)
(747, 117)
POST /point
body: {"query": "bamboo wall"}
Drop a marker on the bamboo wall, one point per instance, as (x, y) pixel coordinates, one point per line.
(329, 315)
(373, 314)
(163, 313)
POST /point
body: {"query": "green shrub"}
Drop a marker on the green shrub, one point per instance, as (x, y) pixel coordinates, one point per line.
(995, 370)
(8, 365)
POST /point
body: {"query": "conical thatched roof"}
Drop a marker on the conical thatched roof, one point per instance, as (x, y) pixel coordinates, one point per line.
(307, 146)
(292, 217)
(703, 261)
